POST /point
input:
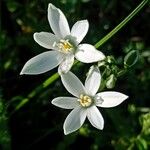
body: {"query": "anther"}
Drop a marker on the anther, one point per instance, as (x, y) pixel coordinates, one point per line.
(85, 100)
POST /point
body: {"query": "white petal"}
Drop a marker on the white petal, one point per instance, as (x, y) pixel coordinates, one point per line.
(58, 21)
(79, 30)
(93, 80)
(72, 84)
(110, 99)
(66, 64)
(42, 62)
(65, 102)
(74, 120)
(45, 39)
(88, 54)
(95, 117)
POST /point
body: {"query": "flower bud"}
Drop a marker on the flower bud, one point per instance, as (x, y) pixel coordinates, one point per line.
(110, 81)
(110, 59)
(101, 63)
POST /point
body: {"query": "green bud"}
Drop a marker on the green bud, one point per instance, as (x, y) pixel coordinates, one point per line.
(132, 108)
(101, 63)
(114, 69)
(107, 71)
(131, 58)
(110, 59)
(145, 123)
(121, 73)
(84, 130)
(139, 45)
(110, 81)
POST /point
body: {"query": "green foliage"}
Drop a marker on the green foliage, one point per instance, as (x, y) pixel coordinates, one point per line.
(131, 58)
(110, 81)
(145, 123)
(29, 118)
(4, 131)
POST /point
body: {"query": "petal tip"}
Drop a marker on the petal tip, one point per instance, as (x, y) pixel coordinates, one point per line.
(50, 5)
(67, 132)
(102, 56)
(126, 97)
(34, 36)
(53, 102)
(21, 73)
(24, 73)
(102, 127)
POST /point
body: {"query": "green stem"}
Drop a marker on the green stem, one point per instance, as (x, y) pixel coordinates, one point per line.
(122, 24)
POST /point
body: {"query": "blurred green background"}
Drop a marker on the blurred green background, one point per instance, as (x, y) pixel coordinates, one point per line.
(29, 121)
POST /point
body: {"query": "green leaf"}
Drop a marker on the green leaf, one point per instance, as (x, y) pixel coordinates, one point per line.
(131, 58)
(110, 59)
(141, 144)
(145, 123)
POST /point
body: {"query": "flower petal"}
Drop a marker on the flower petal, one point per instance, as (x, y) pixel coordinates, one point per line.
(42, 62)
(79, 30)
(88, 54)
(95, 117)
(72, 84)
(110, 99)
(93, 80)
(66, 64)
(65, 102)
(58, 21)
(74, 120)
(45, 39)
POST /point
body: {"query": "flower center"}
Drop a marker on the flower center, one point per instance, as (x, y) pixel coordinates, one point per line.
(85, 100)
(64, 46)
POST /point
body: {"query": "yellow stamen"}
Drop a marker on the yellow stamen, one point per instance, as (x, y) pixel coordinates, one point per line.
(64, 46)
(85, 100)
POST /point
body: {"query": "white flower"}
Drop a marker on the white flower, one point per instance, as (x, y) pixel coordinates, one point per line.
(85, 101)
(64, 44)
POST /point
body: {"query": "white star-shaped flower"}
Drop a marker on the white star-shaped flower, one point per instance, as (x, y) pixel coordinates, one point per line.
(64, 44)
(85, 101)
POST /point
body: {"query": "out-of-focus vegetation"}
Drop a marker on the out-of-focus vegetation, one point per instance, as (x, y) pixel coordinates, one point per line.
(28, 121)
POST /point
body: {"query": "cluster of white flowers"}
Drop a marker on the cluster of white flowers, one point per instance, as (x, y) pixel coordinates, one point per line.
(65, 47)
